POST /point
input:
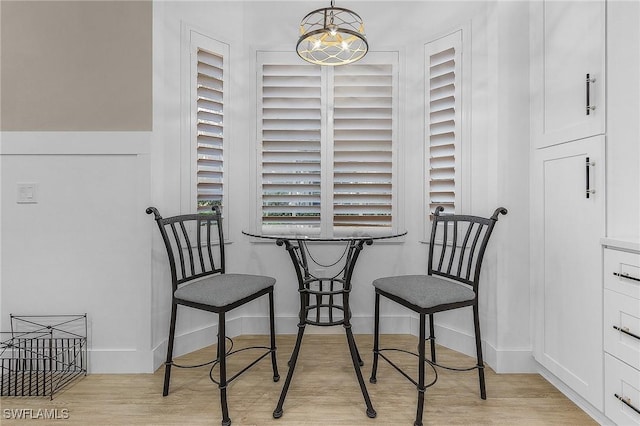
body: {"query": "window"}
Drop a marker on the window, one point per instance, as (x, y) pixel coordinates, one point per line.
(443, 120)
(209, 105)
(291, 132)
(327, 144)
(205, 67)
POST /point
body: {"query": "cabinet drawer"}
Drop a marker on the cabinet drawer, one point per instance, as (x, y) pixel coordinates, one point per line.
(621, 382)
(622, 272)
(622, 327)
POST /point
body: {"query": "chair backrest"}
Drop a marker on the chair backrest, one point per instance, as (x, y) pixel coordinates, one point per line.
(458, 243)
(194, 243)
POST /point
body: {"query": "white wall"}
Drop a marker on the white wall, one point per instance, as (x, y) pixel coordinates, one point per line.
(77, 101)
(623, 126)
(509, 65)
(82, 248)
(496, 34)
(94, 187)
(223, 21)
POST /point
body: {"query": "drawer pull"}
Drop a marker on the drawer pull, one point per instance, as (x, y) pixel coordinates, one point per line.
(627, 276)
(626, 401)
(626, 331)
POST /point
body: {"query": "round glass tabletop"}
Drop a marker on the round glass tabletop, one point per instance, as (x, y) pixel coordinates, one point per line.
(317, 238)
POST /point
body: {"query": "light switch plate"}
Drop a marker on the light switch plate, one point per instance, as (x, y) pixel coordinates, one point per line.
(27, 193)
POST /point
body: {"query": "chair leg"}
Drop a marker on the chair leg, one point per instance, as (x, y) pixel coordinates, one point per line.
(169, 361)
(222, 354)
(272, 330)
(376, 339)
(476, 321)
(421, 361)
(432, 338)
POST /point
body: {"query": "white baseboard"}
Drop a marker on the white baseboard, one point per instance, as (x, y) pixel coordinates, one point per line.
(514, 360)
(509, 361)
(119, 361)
(359, 325)
(583, 404)
(501, 361)
(132, 361)
(197, 339)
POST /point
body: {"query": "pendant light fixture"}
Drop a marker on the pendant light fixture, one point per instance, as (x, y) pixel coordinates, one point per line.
(332, 36)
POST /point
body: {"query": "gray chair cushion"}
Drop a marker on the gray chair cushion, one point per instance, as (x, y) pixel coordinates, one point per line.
(223, 289)
(425, 291)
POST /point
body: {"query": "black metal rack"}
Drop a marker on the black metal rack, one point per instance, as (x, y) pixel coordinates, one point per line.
(42, 354)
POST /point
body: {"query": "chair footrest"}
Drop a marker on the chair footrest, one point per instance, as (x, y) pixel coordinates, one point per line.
(406, 376)
(267, 350)
(435, 364)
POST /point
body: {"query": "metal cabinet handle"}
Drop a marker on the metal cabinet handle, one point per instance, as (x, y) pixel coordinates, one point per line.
(588, 165)
(590, 107)
(626, 331)
(626, 401)
(627, 276)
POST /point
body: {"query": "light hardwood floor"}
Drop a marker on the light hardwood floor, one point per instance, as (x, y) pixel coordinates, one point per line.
(324, 391)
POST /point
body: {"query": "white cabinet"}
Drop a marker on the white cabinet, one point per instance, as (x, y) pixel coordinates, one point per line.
(567, 225)
(621, 329)
(567, 44)
(573, 315)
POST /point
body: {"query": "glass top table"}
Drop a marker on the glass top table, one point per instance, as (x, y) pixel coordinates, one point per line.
(324, 300)
(317, 238)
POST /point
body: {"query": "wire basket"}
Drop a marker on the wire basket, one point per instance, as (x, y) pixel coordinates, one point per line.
(42, 354)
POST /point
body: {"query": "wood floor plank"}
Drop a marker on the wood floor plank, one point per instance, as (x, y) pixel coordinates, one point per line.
(324, 391)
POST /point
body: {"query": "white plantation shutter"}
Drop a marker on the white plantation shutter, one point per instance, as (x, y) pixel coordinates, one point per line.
(363, 145)
(210, 129)
(443, 121)
(291, 144)
(327, 144)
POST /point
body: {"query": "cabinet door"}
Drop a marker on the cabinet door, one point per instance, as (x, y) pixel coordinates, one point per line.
(567, 43)
(566, 264)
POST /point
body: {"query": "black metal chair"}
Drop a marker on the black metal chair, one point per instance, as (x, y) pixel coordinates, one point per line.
(195, 246)
(457, 259)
